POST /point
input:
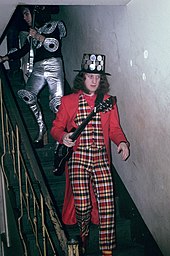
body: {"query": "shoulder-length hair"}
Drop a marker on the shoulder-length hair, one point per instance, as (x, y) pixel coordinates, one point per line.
(104, 85)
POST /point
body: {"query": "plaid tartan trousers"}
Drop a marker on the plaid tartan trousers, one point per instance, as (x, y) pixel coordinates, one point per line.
(90, 163)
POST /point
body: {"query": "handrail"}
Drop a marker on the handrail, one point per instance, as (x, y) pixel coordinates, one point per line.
(3, 214)
(31, 155)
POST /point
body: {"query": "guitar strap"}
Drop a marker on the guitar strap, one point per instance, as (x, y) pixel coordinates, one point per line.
(99, 99)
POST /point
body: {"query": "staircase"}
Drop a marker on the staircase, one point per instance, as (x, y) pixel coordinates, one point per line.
(129, 243)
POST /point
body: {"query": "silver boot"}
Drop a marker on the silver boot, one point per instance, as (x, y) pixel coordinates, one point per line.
(41, 138)
(31, 100)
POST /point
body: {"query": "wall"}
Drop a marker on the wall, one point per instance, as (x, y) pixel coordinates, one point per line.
(147, 77)
(136, 42)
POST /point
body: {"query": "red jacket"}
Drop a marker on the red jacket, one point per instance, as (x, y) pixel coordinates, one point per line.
(65, 120)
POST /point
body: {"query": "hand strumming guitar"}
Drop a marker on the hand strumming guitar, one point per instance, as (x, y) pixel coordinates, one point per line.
(67, 141)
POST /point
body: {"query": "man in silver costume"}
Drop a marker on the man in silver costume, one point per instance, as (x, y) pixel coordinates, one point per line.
(45, 67)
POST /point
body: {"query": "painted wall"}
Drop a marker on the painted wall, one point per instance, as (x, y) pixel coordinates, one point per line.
(136, 42)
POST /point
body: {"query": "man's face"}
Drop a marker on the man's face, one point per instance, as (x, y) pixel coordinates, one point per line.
(92, 82)
(27, 16)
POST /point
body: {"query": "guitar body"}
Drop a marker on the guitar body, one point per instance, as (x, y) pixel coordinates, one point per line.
(61, 155)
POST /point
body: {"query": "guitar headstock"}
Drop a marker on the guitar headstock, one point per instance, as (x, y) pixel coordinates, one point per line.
(105, 105)
(39, 8)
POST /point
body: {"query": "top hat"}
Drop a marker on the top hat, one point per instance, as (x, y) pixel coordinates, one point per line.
(93, 63)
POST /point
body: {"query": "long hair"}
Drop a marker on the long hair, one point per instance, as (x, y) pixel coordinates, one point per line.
(29, 7)
(42, 14)
(79, 84)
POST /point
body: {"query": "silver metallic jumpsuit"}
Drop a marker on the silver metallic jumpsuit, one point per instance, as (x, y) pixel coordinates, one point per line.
(47, 69)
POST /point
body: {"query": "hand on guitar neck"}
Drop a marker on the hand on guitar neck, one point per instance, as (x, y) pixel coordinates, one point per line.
(35, 35)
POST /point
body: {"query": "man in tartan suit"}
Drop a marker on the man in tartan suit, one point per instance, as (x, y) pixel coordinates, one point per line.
(89, 181)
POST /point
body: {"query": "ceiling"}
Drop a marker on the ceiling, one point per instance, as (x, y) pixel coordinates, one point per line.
(7, 7)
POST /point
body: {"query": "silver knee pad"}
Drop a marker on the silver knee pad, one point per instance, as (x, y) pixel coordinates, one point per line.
(54, 103)
(27, 97)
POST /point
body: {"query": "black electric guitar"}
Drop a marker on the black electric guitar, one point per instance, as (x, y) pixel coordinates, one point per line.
(62, 152)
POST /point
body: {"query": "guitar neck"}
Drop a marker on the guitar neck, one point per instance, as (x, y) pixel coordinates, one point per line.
(77, 132)
(33, 26)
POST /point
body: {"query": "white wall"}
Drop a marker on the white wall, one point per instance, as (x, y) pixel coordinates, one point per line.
(136, 42)
(147, 102)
